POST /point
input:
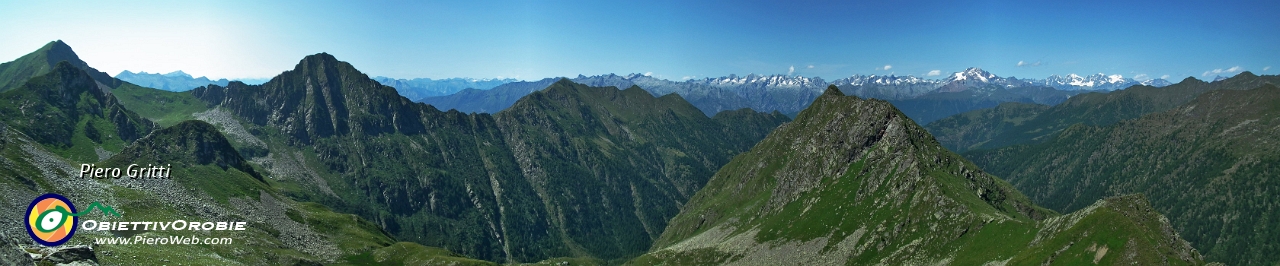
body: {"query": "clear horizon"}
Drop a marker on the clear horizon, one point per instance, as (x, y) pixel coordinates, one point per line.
(668, 39)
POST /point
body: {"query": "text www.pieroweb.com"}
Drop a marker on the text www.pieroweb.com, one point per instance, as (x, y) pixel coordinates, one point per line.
(168, 240)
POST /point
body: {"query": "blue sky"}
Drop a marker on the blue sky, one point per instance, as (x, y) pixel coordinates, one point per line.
(670, 39)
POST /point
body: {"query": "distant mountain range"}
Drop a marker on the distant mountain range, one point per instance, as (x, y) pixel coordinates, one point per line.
(175, 81)
(924, 100)
(1014, 123)
(416, 89)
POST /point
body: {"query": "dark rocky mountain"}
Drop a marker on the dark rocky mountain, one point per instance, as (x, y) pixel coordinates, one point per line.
(418, 88)
(1010, 123)
(68, 111)
(855, 181)
(187, 144)
(1209, 164)
(569, 171)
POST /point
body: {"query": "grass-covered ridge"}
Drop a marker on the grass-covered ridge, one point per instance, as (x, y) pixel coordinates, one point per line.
(852, 181)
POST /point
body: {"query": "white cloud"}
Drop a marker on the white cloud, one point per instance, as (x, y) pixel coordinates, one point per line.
(648, 73)
(1164, 77)
(1141, 77)
(810, 67)
(887, 67)
(687, 77)
(791, 70)
(1024, 63)
(1266, 68)
(1221, 71)
(934, 72)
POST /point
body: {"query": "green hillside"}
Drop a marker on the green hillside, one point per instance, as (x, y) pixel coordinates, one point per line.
(68, 112)
(1208, 164)
(854, 181)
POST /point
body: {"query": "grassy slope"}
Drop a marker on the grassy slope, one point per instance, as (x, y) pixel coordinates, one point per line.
(164, 107)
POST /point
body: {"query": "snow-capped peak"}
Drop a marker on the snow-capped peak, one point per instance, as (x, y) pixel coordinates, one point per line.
(1115, 79)
(973, 73)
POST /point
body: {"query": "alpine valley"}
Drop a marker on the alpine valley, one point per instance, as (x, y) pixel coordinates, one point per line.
(329, 166)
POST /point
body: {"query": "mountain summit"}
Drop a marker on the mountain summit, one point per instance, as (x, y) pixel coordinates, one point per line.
(972, 73)
(320, 97)
(13, 74)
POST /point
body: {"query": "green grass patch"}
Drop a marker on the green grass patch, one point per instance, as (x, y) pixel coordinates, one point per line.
(164, 107)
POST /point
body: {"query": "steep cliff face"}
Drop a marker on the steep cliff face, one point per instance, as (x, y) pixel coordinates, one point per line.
(855, 181)
(613, 166)
(321, 97)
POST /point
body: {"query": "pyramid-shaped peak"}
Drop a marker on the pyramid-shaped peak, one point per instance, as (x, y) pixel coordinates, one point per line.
(320, 58)
(57, 51)
(832, 90)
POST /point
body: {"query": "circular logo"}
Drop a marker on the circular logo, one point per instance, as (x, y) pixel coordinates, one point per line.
(50, 221)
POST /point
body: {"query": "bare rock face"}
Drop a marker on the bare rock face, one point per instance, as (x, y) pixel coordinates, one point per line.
(72, 255)
(12, 253)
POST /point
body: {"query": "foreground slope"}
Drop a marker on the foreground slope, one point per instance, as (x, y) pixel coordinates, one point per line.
(210, 182)
(1015, 123)
(1210, 165)
(854, 181)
